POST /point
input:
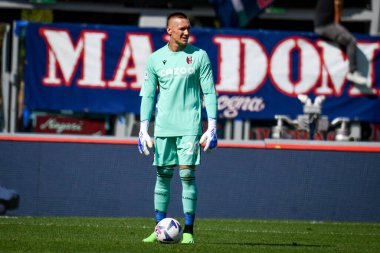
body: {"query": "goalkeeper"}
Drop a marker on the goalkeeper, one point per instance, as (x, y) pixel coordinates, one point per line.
(181, 73)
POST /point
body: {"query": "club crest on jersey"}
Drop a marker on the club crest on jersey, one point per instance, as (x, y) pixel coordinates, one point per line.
(189, 60)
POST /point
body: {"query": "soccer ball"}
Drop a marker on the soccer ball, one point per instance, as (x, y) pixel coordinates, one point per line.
(168, 230)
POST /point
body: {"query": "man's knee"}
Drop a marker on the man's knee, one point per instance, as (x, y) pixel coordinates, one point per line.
(344, 37)
(188, 178)
(164, 172)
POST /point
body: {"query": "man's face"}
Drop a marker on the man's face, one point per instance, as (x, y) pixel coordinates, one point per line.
(179, 30)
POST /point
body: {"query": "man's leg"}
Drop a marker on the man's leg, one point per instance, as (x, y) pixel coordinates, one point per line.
(340, 35)
(162, 192)
(189, 201)
(161, 196)
(348, 41)
(189, 156)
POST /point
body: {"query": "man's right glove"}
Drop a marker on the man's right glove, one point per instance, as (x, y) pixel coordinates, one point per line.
(144, 139)
(210, 136)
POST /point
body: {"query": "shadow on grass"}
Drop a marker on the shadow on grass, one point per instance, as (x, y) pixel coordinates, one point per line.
(294, 244)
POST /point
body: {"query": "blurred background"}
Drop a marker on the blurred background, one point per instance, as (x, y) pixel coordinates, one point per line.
(360, 17)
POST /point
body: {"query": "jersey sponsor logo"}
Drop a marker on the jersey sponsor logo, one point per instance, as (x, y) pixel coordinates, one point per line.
(177, 71)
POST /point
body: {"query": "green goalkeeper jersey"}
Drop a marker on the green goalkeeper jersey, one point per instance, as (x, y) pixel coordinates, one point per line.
(180, 78)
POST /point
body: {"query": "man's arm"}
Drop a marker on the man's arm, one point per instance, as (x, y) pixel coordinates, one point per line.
(210, 136)
(338, 5)
(146, 110)
(211, 104)
(147, 93)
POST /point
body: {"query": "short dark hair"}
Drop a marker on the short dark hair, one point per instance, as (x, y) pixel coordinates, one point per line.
(175, 15)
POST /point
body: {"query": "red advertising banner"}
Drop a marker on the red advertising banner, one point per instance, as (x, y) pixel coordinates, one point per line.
(69, 125)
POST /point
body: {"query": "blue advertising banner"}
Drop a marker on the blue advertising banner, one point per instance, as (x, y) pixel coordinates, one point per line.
(258, 73)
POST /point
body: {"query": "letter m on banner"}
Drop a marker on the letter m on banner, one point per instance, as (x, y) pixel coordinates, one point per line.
(64, 55)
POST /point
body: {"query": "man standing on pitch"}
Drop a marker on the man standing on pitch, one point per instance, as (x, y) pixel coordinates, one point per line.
(182, 73)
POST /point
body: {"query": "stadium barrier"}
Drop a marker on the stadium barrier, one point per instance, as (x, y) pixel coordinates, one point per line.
(270, 179)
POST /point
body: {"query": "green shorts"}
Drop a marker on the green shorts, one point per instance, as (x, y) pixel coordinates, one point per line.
(178, 150)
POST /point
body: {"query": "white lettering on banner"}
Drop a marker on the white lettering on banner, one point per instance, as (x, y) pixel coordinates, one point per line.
(336, 65)
(53, 124)
(228, 64)
(63, 54)
(137, 49)
(281, 69)
(243, 65)
(51, 79)
(93, 60)
(232, 105)
(323, 72)
(333, 61)
(254, 55)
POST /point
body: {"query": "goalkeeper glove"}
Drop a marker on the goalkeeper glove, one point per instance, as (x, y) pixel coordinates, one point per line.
(210, 135)
(144, 139)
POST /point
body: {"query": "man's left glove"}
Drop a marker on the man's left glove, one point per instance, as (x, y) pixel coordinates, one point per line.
(144, 139)
(210, 136)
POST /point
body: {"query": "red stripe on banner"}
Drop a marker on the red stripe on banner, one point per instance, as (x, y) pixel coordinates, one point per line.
(351, 147)
(68, 139)
(240, 145)
(323, 147)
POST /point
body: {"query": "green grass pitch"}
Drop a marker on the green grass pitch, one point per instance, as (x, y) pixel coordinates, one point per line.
(78, 234)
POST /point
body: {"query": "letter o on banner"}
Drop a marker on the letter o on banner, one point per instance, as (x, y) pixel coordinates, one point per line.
(309, 67)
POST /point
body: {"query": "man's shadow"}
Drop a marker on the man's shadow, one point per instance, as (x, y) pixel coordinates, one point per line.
(293, 244)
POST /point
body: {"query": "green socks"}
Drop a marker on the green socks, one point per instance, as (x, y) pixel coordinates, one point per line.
(162, 199)
(189, 194)
(162, 189)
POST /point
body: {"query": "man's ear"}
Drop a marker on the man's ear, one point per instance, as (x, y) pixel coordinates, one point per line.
(169, 30)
